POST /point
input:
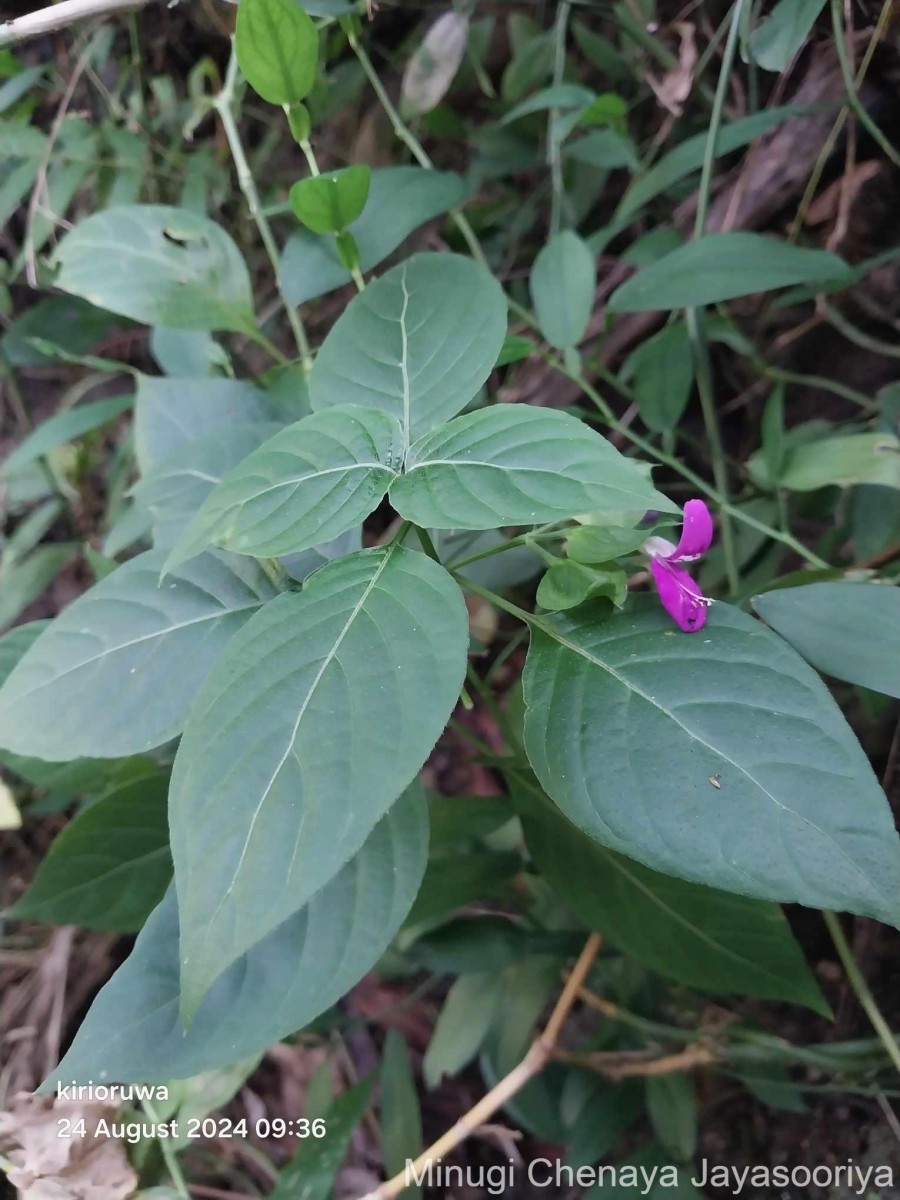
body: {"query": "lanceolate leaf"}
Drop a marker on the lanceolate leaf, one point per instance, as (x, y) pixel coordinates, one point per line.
(516, 465)
(721, 266)
(117, 671)
(110, 866)
(704, 938)
(306, 485)
(718, 757)
(417, 344)
(133, 1032)
(848, 630)
(159, 265)
(304, 734)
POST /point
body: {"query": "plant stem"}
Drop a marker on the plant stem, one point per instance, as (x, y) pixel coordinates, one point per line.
(223, 105)
(532, 1064)
(170, 1158)
(861, 988)
(853, 99)
(554, 144)
(58, 16)
(415, 147)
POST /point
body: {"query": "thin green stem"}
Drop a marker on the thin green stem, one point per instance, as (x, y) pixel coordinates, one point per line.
(861, 988)
(858, 336)
(223, 104)
(170, 1158)
(412, 143)
(695, 327)
(554, 142)
(310, 155)
(427, 544)
(859, 109)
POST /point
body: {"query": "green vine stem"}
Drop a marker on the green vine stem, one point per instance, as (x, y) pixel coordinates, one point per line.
(861, 988)
(853, 100)
(223, 104)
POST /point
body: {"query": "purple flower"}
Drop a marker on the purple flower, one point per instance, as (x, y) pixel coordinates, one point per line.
(679, 594)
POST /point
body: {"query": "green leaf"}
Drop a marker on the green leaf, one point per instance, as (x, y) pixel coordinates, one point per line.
(110, 866)
(329, 203)
(516, 465)
(718, 757)
(400, 200)
(462, 1026)
(117, 671)
(401, 1121)
(62, 428)
(848, 630)
(722, 266)
(158, 265)
(603, 543)
(703, 938)
(23, 580)
(169, 413)
(175, 490)
(561, 96)
(306, 731)
(309, 483)
(277, 48)
(311, 1173)
(673, 1113)
(133, 1032)
(603, 148)
(842, 461)
(562, 287)
(781, 35)
(417, 344)
(568, 584)
(662, 370)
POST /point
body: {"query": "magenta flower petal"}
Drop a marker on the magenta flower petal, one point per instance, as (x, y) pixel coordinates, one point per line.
(680, 595)
(696, 532)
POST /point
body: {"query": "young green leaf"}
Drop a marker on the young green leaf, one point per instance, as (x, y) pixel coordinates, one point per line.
(400, 200)
(516, 465)
(562, 287)
(848, 630)
(711, 940)
(133, 1031)
(718, 757)
(662, 371)
(401, 1120)
(110, 866)
(159, 265)
(417, 344)
(568, 584)
(329, 203)
(722, 266)
(309, 483)
(116, 672)
(302, 737)
(673, 1113)
(277, 47)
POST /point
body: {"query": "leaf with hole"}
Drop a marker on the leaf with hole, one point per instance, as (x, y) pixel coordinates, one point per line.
(133, 1031)
(308, 484)
(330, 202)
(417, 344)
(277, 47)
(306, 731)
(159, 265)
(516, 465)
(116, 671)
(718, 757)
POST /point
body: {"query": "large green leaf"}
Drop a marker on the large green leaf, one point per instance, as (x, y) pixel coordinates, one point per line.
(704, 938)
(159, 265)
(117, 671)
(562, 287)
(171, 412)
(174, 491)
(417, 344)
(848, 630)
(110, 866)
(319, 715)
(133, 1032)
(516, 465)
(721, 266)
(306, 485)
(277, 47)
(400, 200)
(718, 757)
